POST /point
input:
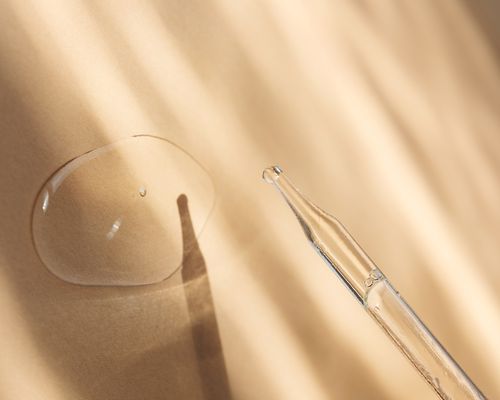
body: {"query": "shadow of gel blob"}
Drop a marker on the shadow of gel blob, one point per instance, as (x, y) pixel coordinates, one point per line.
(110, 218)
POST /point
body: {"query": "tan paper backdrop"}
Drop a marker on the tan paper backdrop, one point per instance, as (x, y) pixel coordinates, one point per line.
(384, 112)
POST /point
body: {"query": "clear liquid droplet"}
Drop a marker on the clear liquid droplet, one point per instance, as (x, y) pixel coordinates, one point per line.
(90, 227)
(271, 174)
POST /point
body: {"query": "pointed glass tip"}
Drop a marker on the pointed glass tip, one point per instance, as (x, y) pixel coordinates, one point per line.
(327, 235)
(302, 208)
(271, 174)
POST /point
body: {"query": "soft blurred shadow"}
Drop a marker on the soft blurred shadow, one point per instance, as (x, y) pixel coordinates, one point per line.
(204, 329)
(336, 367)
(486, 13)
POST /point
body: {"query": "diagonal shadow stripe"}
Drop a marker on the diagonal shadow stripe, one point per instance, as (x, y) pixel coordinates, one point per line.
(204, 329)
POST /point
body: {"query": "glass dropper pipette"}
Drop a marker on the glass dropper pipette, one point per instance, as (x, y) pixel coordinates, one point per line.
(374, 291)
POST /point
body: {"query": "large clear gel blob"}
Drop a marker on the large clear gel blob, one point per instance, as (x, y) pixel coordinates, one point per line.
(110, 217)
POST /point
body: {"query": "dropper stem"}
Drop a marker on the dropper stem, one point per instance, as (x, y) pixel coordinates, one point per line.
(372, 289)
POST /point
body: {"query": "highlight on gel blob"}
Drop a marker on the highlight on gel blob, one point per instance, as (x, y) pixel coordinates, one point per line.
(110, 218)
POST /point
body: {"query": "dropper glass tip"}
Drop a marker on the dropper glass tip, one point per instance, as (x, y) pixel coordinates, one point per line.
(271, 174)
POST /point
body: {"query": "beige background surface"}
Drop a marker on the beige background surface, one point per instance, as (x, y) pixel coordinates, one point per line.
(384, 112)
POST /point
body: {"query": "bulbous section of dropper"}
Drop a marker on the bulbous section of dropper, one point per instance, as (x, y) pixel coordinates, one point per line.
(327, 235)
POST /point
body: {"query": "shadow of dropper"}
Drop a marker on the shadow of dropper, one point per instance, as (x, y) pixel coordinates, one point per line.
(204, 328)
